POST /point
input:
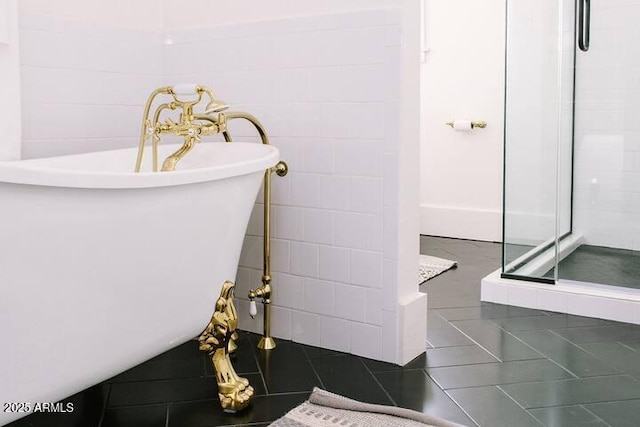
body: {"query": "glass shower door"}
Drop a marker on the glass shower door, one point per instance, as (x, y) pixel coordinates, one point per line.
(538, 136)
(606, 197)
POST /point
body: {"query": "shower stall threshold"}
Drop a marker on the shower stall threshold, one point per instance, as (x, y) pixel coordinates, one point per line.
(570, 297)
(542, 258)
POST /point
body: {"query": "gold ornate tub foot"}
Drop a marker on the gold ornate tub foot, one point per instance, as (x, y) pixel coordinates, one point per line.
(234, 392)
(232, 342)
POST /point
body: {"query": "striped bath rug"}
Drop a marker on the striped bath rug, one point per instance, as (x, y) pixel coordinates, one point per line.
(324, 409)
(431, 266)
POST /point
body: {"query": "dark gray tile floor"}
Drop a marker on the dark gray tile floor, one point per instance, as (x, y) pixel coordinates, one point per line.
(606, 266)
(486, 365)
(520, 367)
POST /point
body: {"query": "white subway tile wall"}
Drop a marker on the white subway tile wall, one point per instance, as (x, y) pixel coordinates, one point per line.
(334, 264)
(319, 296)
(366, 340)
(83, 85)
(607, 134)
(305, 328)
(327, 94)
(373, 307)
(335, 334)
(350, 302)
(326, 89)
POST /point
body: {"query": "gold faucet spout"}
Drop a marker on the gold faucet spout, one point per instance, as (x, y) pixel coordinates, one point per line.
(171, 161)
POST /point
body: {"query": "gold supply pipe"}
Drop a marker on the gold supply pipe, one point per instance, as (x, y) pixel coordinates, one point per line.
(156, 138)
(266, 261)
(251, 118)
(266, 342)
(145, 123)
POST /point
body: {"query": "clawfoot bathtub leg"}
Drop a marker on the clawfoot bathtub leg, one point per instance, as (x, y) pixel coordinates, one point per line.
(232, 343)
(234, 392)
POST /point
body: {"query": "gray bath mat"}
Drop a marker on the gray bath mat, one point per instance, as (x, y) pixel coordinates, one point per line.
(324, 409)
(431, 266)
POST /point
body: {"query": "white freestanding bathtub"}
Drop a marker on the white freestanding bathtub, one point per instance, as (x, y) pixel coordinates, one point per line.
(102, 269)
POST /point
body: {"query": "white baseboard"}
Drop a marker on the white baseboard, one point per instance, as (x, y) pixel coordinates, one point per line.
(412, 328)
(473, 224)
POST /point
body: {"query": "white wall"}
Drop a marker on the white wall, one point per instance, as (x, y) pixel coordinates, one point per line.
(327, 89)
(607, 156)
(87, 68)
(463, 78)
(9, 81)
(95, 15)
(411, 304)
(211, 13)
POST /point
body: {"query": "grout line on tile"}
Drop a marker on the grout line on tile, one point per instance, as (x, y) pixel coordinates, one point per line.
(313, 368)
(579, 404)
(378, 382)
(597, 417)
(464, 411)
(627, 346)
(477, 343)
(104, 405)
(255, 358)
(592, 355)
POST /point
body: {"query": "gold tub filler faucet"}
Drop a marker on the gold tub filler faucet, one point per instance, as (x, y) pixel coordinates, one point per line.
(217, 339)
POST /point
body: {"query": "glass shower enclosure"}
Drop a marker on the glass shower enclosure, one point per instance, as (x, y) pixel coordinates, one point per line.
(572, 143)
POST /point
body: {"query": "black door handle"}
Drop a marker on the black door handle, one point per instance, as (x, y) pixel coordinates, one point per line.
(584, 24)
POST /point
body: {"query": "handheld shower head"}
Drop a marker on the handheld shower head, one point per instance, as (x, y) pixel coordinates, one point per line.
(215, 106)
